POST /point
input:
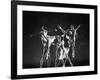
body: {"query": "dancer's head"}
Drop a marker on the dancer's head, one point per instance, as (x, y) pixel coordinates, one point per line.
(44, 31)
(58, 38)
(71, 27)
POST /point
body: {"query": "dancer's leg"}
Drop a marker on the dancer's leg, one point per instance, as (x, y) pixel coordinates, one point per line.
(69, 60)
(56, 58)
(48, 56)
(63, 63)
(42, 58)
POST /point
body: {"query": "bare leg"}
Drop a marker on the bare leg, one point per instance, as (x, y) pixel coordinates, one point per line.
(42, 59)
(48, 56)
(73, 49)
(64, 52)
(63, 63)
(69, 61)
(57, 62)
(56, 58)
(48, 62)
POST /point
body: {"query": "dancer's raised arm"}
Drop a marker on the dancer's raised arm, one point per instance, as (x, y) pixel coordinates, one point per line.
(77, 28)
(61, 29)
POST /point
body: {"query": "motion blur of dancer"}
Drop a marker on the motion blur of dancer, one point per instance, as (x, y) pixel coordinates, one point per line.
(65, 45)
(46, 40)
(64, 50)
(73, 38)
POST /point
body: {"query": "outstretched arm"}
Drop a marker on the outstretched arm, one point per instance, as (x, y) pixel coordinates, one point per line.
(61, 29)
(77, 28)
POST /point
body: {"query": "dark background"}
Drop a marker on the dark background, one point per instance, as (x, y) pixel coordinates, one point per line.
(32, 46)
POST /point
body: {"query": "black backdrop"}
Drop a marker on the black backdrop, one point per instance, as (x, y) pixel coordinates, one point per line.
(32, 46)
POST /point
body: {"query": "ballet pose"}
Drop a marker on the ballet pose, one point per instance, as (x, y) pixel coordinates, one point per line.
(46, 40)
(65, 45)
(62, 52)
(73, 38)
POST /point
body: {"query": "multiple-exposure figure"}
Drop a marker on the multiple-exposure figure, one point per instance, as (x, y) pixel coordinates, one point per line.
(65, 44)
(47, 40)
